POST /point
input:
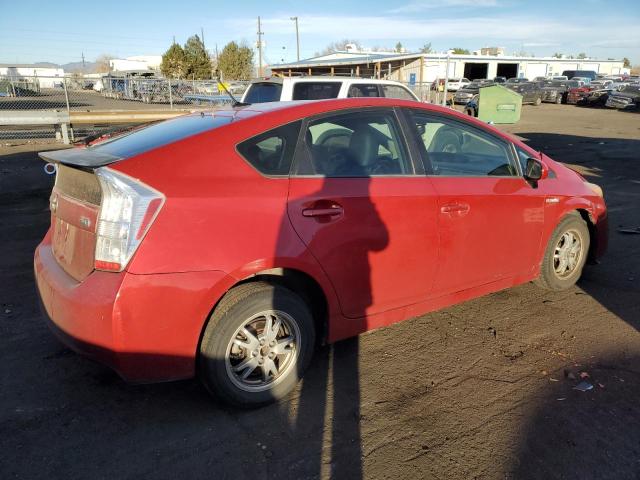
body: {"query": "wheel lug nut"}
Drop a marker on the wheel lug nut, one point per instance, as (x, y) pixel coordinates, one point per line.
(272, 344)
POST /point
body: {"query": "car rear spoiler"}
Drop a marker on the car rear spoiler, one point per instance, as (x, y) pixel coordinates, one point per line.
(80, 157)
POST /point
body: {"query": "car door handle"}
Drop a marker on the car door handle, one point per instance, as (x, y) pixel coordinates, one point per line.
(459, 208)
(332, 211)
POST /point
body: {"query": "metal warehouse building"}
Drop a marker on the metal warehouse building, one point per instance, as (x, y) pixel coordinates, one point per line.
(426, 67)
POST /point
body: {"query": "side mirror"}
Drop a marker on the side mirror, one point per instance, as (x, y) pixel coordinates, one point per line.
(536, 170)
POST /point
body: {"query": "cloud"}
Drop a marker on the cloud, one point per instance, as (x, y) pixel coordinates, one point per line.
(423, 5)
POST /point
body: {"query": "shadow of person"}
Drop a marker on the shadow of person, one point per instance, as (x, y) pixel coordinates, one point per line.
(334, 216)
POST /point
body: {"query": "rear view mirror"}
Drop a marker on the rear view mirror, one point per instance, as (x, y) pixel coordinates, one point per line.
(535, 170)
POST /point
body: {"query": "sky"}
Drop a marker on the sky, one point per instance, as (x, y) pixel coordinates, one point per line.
(60, 32)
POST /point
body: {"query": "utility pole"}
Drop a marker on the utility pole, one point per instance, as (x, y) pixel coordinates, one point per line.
(82, 62)
(202, 38)
(260, 33)
(295, 19)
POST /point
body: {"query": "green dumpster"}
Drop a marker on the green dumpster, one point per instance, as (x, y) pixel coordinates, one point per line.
(498, 104)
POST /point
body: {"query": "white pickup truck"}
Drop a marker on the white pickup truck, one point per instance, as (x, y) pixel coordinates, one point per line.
(320, 88)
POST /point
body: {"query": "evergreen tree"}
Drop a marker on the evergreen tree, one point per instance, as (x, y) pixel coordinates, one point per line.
(174, 62)
(236, 62)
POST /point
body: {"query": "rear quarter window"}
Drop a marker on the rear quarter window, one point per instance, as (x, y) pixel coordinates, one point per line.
(396, 91)
(315, 90)
(271, 152)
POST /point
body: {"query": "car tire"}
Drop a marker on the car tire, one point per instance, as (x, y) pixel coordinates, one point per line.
(469, 111)
(565, 255)
(538, 101)
(233, 344)
(558, 99)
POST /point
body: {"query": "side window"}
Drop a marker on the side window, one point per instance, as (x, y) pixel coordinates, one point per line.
(396, 91)
(522, 158)
(361, 144)
(315, 90)
(363, 90)
(271, 153)
(456, 149)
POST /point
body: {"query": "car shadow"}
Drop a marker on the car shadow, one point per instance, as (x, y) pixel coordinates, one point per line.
(615, 282)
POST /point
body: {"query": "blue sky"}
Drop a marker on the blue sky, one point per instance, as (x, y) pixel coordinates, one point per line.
(59, 32)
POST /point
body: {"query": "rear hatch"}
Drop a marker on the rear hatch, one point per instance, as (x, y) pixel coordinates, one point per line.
(75, 205)
(77, 195)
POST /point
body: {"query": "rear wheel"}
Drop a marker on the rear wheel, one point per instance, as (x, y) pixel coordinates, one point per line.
(565, 255)
(256, 345)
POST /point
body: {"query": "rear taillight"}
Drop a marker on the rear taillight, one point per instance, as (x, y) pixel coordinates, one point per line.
(127, 210)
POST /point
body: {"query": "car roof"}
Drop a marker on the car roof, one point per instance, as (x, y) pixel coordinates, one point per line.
(312, 78)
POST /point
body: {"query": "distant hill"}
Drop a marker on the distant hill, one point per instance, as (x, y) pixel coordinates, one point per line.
(89, 67)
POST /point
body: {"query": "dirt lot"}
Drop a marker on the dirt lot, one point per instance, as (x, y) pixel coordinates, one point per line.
(481, 390)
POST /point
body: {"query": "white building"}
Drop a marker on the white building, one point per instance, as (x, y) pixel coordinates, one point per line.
(48, 77)
(426, 67)
(138, 62)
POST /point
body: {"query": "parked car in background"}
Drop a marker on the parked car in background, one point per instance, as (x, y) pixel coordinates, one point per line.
(602, 84)
(597, 97)
(277, 89)
(552, 91)
(465, 94)
(531, 91)
(560, 77)
(626, 99)
(164, 264)
(456, 84)
(541, 79)
(590, 74)
(499, 79)
(585, 80)
(575, 94)
(517, 80)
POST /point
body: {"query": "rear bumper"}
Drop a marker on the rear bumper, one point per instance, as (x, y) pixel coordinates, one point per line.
(145, 327)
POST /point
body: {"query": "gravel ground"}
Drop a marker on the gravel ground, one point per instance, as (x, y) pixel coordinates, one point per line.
(480, 390)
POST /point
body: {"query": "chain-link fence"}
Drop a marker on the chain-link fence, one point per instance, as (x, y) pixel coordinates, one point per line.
(73, 107)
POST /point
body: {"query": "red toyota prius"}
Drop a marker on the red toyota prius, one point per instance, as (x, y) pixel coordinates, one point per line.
(228, 244)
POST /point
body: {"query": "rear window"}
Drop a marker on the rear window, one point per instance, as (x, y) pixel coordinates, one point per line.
(263, 92)
(271, 152)
(159, 134)
(315, 90)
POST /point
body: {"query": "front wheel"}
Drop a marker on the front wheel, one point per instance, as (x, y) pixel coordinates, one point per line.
(565, 255)
(256, 345)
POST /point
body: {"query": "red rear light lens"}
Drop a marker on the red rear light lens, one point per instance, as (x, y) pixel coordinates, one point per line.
(127, 211)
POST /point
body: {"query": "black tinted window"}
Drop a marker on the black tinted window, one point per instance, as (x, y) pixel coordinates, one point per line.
(359, 144)
(159, 134)
(263, 93)
(363, 90)
(316, 90)
(271, 152)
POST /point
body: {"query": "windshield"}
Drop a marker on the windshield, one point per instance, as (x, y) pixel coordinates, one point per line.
(263, 92)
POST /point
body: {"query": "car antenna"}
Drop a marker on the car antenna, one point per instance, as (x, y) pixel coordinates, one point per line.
(234, 101)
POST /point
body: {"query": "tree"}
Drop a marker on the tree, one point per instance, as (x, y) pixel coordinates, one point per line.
(460, 51)
(103, 63)
(626, 62)
(197, 58)
(582, 55)
(174, 62)
(426, 48)
(399, 47)
(557, 55)
(236, 62)
(339, 46)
